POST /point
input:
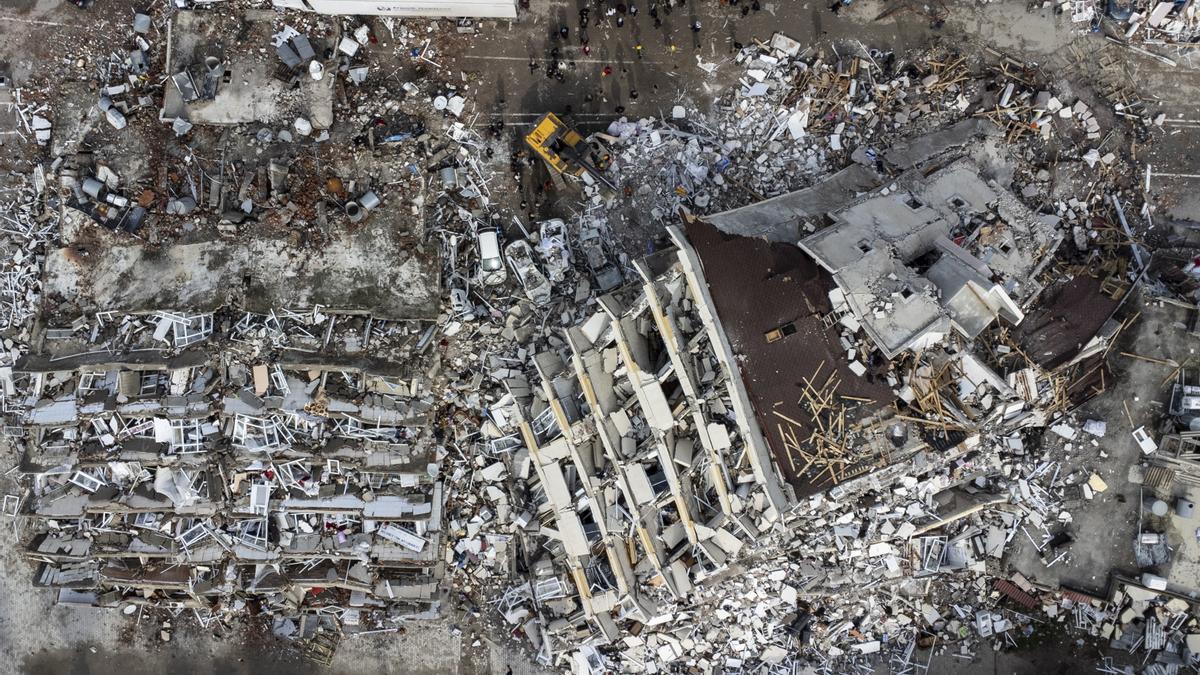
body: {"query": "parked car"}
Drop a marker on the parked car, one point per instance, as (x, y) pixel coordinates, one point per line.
(520, 256)
(491, 263)
(554, 250)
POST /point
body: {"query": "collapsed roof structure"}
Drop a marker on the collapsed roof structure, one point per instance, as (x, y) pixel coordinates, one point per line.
(903, 263)
(184, 475)
(642, 450)
(244, 394)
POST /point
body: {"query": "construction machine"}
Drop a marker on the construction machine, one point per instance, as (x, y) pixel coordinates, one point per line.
(567, 151)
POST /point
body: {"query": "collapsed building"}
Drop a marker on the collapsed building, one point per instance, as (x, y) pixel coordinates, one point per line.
(893, 291)
(706, 405)
(205, 475)
(756, 446)
(907, 278)
(208, 426)
(634, 440)
(640, 450)
(208, 471)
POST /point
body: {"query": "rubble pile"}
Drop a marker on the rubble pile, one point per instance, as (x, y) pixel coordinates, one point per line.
(223, 470)
(31, 116)
(125, 78)
(1143, 620)
(794, 118)
(1150, 23)
(577, 405)
(797, 118)
(577, 455)
(27, 230)
(937, 492)
(328, 378)
(1134, 22)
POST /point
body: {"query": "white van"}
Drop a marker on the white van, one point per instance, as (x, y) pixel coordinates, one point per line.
(491, 262)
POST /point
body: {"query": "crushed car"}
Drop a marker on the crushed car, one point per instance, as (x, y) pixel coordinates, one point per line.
(520, 256)
(552, 247)
(607, 275)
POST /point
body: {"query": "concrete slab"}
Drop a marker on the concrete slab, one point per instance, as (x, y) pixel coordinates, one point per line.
(779, 219)
(1184, 535)
(369, 271)
(249, 91)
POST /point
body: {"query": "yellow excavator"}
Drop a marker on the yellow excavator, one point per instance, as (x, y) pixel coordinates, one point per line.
(567, 151)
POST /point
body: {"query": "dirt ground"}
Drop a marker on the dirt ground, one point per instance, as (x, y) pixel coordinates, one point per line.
(38, 43)
(1106, 526)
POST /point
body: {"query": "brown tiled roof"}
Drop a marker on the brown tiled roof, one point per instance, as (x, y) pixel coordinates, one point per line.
(1068, 315)
(758, 286)
(1016, 594)
(1078, 596)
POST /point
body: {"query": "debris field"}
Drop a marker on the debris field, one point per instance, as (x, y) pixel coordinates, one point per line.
(859, 358)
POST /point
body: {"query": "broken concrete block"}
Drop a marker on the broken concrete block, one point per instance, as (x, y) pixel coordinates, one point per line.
(494, 472)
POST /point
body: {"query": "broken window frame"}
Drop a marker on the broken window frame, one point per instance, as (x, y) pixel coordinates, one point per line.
(545, 426)
(260, 434)
(92, 381)
(194, 534)
(147, 520)
(85, 481)
(353, 427)
(189, 330)
(150, 383)
(504, 445)
(260, 498)
(253, 532)
(181, 429)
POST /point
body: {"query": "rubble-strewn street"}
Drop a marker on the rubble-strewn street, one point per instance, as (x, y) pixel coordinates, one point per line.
(688, 336)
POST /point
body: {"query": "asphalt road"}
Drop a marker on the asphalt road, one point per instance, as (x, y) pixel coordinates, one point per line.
(662, 75)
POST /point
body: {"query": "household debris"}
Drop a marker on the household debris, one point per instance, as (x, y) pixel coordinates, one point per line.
(329, 376)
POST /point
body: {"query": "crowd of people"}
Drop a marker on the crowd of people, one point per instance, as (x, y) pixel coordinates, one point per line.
(615, 13)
